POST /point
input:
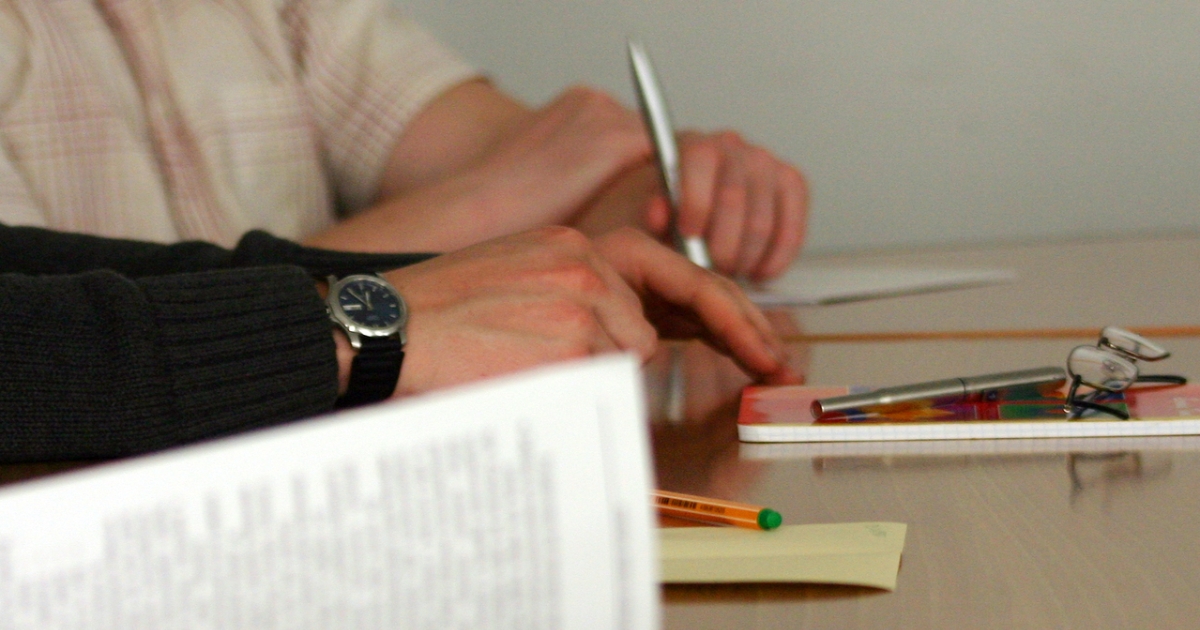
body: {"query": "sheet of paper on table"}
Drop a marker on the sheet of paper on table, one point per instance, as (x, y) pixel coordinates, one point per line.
(807, 286)
(860, 554)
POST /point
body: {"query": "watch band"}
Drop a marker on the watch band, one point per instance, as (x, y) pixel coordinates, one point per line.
(374, 372)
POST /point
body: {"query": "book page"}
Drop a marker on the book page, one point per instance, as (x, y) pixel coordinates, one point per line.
(517, 503)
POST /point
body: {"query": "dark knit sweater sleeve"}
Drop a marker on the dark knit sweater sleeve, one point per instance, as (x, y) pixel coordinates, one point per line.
(111, 348)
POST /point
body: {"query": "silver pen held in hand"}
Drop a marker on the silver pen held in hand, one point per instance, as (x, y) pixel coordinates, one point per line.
(654, 111)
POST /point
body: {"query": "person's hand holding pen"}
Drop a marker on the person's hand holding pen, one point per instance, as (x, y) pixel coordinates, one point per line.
(726, 204)
(477, 164)
(749, 206)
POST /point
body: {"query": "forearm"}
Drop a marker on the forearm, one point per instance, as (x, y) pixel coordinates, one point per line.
(446, 216)
(436, 193)
(169, 344)
(449, 136)
(479, 165)
(99, 366)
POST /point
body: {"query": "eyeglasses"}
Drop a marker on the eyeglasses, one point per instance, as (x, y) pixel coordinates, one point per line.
(1109, 367)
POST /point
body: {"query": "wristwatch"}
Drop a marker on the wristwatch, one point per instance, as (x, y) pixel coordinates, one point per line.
(373, 315)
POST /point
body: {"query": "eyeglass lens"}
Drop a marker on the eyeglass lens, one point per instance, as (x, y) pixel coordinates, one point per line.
(1101, 369)
(1131, 344)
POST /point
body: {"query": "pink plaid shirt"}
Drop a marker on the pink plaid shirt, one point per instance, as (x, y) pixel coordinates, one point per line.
(179, 119)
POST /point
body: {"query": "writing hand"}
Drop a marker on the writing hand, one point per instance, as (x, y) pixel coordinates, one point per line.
(749, 205)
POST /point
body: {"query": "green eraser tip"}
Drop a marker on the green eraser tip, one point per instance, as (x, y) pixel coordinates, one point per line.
(769, 519)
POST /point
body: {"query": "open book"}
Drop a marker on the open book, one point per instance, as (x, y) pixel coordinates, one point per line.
(783, 414)
(516, 503)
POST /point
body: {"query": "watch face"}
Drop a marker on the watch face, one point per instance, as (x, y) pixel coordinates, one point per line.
(370, 304)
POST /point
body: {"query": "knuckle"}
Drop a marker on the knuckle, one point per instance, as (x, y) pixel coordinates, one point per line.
(565, 238)
(795, 178)
(720, 287)
(648, 341)
(576, 348)
(725, 256)
(761, 224)
(723, 284)
(592, 98)
(732, 195)
(576, 92)
(573, 317)
(705, 151)
(730, 138)
(629, 236)
(581, 278)
(760, 159)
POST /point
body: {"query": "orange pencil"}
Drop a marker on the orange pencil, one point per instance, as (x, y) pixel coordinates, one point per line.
(715, 510)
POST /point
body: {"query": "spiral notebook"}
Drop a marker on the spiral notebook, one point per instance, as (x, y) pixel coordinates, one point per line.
(782, 414)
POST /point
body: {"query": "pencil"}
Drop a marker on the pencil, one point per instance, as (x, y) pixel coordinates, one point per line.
(707, 510)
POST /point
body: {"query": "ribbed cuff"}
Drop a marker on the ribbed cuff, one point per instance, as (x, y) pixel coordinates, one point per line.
(241, 349)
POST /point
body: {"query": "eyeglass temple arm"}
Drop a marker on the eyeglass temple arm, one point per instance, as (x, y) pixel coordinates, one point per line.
(1166, 379)
(1073, 403)
(1097, 407)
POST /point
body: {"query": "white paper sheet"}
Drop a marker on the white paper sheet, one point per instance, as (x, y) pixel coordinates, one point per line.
(519, 503)
(805, 286)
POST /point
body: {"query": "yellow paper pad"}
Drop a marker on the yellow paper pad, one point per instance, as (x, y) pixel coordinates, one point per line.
(863, 554)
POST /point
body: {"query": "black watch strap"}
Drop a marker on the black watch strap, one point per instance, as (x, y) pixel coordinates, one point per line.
(374, 372)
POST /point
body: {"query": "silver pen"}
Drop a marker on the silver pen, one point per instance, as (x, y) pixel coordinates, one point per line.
(944, 392)
(654, 111)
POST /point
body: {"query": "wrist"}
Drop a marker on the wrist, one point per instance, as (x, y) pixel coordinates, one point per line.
(345, 358)
(369, 318)
(342, 350)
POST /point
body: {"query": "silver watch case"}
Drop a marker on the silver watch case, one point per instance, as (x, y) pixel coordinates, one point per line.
(354, 330)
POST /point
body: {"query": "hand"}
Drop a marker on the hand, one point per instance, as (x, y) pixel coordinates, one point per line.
(514, 303)
(475, 165)
(554, 159)
(685, 301)
(749, 205)
(550, 295)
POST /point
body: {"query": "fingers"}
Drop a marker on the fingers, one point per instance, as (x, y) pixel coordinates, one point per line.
(695, 301)
(700, 167)
(750, 205)
(792, 208)
(551, 294)
(762, 217)
(615, 306)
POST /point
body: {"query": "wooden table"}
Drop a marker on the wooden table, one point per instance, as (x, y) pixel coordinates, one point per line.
(1094, 533)
(1030, 534)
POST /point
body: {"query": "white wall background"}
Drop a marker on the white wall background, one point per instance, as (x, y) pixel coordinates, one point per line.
(918, 122)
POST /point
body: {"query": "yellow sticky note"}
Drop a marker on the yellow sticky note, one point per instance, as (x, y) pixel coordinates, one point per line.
(864, 554)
